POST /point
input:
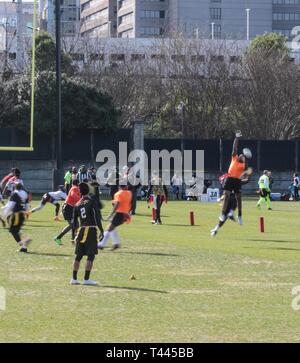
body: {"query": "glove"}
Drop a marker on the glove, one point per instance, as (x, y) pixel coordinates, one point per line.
(238, 133)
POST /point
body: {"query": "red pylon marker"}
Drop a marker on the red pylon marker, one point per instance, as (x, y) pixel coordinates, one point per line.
(192, 218)
(153, 214)
(262, 225)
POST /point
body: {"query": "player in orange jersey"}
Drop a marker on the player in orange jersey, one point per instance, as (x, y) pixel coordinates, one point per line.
(122, 205)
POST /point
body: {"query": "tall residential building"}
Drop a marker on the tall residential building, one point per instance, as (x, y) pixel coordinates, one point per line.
(70, 16)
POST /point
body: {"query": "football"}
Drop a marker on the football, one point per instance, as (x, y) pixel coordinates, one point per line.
(247, 152)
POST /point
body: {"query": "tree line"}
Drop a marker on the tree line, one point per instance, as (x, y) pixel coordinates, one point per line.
(190, 88)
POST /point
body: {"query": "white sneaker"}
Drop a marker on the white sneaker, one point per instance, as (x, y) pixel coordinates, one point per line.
(25, 242)
(214, 231)
(90, 282)
(74, 282)
(240, 220)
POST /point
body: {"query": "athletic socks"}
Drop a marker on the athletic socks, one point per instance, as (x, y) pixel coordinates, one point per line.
(115, 237)
(105, 239)
(87, 275)
(75, 275)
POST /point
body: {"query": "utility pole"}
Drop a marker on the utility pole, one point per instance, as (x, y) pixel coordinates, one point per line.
(19, 55)
(59, 166)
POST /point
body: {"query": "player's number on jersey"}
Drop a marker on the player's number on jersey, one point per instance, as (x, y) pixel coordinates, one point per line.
(83, 213)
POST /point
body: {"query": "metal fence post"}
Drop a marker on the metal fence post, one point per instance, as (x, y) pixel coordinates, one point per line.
(258, 155)
(296, 155)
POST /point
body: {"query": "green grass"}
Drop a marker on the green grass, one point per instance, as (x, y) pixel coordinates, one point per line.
(188, 288)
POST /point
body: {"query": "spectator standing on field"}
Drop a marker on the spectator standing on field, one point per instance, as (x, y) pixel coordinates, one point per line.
(176, 182)
(271, 180)
(296, 184)
(68, 180)
(264, 190)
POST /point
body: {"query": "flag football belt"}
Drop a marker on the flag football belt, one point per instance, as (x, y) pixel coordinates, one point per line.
(85, 233)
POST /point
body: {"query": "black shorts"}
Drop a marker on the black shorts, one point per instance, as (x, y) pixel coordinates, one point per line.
(67, 212)
(16, 222)
(232, 204)
(263, 193)
(118, 219)
(233, 185)
(86, 241)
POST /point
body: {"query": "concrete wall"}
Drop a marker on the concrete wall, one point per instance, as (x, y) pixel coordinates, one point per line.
(38, 176)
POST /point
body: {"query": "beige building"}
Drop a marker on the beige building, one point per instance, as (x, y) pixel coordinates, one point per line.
(99, 17)
(124, 18)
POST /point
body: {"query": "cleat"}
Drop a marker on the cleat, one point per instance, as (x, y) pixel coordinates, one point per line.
(58, 241)
(240, 220)
(214, 231)
(115, 247)
(90, 283)
(22, 249)
(26, 242)
(74, 282)
(270, 209)
(100, 247)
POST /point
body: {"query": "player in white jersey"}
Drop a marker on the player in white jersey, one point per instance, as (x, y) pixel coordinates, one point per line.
(53, 198)
(14, 212)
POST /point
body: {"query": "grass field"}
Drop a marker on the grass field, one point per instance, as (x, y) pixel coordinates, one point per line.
(188, 288)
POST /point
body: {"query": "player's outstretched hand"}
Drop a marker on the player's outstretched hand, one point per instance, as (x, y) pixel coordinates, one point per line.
(238, 134)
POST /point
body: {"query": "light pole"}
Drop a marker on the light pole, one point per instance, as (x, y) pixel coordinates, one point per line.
(248, 23)
(181, 109)
(58, 93)
(19, 54)
(109, 29)
(212, 31)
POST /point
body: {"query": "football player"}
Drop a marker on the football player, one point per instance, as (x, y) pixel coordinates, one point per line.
(67, 210)
(87, 212)
(14, 212)
(53, 198)
(119, 215)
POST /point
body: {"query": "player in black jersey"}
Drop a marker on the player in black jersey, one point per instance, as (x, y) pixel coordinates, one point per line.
(87, 211)
(14, 212)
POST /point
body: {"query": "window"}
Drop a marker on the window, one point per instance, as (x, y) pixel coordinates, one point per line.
(178, 58)
(77, 56)
(137, 57)
(215, 13)
(217, 58)
(117, 57)
(198, 58)
(286, 16)
(152, 14)
(96, 57)
(125, 19)
(235, 59)
(158, 56)
(151, 31)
